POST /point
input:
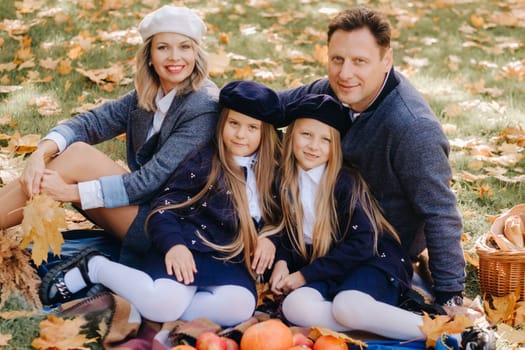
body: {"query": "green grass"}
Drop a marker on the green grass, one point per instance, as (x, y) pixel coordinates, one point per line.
(457, 53)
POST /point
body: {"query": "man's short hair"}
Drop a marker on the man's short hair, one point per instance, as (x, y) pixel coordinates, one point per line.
(361, 17)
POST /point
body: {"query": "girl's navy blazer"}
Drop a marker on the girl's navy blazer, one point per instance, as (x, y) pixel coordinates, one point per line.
(354, 246)
(214, 217)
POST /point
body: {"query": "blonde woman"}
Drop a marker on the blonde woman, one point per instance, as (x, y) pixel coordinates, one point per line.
(207, 226)
(172, 110)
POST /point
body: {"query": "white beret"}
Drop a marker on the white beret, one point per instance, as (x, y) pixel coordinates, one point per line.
(172, 19)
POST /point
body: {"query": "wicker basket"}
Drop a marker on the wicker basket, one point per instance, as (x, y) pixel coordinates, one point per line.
(501, 272)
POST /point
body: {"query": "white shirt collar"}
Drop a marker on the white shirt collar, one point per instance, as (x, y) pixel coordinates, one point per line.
(246, 161)
(163, 102)
(314, 174)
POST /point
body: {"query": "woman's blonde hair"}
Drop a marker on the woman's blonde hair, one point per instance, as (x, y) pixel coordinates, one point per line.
(326, 226)
(147, 82)
(225, 169)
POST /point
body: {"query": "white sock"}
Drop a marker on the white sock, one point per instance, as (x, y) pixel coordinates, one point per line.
(306, 307)
(74, 280)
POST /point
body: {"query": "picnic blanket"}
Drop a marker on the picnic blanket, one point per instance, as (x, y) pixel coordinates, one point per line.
(125, 330)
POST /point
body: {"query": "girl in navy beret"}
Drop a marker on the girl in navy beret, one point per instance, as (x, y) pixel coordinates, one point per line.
(207, 226)
(339, 262)
(339, 259)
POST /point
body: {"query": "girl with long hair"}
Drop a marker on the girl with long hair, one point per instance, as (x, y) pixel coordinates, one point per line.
(340, 263)
(208, 226)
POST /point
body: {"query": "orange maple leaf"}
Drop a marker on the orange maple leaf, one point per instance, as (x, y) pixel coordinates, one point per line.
(519, 314)
(43, 219)
(61, 334)
(64, 67)
(23, 144)
(501, 309)
(433, 328)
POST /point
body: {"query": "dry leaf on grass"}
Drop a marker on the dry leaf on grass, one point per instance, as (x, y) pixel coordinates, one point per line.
(10, 315)
(433, 328)
(17, 276)
(61, 334)
(5, 338)
(511, 335)
(43, 220)
(501, 309)
(519, 314)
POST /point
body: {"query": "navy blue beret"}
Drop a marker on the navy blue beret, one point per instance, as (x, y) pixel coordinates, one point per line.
(255, 100)
(323, 108)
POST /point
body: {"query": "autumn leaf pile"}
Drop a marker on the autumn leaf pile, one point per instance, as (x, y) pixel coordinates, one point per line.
(17, 275)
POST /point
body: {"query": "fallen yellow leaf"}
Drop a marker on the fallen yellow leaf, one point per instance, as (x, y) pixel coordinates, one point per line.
(43, 220)
(58, 333)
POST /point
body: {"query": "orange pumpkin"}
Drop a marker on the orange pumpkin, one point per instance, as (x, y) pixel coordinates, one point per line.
(183, 347)
(329, 342)
(300, 347)
(271, 334)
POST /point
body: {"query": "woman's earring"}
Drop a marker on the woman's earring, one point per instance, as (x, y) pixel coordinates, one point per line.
(149, 63)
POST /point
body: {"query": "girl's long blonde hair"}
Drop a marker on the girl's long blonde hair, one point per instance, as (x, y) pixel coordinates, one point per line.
(226, 175)
(147, 82)
(326, 226)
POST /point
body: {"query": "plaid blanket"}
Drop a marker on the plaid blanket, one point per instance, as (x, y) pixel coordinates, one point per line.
(125, 330)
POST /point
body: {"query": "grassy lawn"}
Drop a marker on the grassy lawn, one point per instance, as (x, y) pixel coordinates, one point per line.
(467, 57)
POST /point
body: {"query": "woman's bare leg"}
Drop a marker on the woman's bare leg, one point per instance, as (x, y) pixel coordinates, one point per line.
(79, 162)
(12, 201)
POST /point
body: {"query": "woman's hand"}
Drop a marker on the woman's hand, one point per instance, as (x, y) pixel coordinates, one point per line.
(179, 262)
(264, 256)
(54, 185)
(31, 177)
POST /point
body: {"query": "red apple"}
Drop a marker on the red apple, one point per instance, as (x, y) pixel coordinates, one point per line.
(210, 341)
(231, 344)
(301, 339)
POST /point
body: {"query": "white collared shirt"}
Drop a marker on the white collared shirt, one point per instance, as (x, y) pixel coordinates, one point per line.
(308, 184)
(251, 185)
(163, 103)
(90, 191)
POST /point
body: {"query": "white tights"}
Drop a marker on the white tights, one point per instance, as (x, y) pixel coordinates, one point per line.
(351, 310)
(164, 299)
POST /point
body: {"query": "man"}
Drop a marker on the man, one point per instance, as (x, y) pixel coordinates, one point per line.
(396, 142)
